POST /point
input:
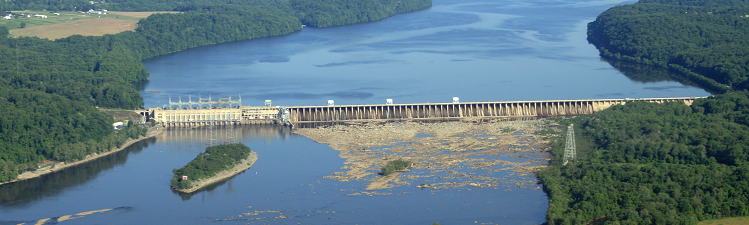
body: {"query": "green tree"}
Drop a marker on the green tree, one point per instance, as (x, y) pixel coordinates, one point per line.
(648, 163)
(704, 41)
(395, 165)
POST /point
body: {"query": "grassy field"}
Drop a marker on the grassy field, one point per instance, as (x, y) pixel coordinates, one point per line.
(70, 23)
(138, 14)
(727, 221)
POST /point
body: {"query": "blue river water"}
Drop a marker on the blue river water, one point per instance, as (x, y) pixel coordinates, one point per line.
(477, 50)
(472, 49)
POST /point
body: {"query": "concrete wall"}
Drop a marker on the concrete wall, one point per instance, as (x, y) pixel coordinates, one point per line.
(460, 110)
(303, 114)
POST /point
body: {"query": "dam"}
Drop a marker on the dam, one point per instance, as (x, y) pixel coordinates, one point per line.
(225, 111)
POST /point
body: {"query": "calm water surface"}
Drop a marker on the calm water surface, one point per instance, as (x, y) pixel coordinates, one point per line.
(287, 181)
(476, 50)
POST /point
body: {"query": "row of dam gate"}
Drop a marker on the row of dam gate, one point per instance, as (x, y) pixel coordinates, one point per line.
(460, 110)
(186, 116)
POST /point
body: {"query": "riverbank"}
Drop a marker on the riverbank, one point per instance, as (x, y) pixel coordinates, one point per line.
(153, 131)
(241, 166)
(469, 152)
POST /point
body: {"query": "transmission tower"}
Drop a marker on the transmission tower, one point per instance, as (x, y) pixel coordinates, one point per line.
(569, 149)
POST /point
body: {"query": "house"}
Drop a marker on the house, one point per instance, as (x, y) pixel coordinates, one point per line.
(56, 14)
(40, 16)
(94, 12)
(8, 17)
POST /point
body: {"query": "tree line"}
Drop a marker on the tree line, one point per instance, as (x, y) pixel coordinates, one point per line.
(707, 42)
(649, 163)
(48, 89)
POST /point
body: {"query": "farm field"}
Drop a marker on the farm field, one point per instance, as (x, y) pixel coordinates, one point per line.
(72, 23)
(727, 221)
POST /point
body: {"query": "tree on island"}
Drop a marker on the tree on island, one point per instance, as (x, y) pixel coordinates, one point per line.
(395, 165)
(207, 164)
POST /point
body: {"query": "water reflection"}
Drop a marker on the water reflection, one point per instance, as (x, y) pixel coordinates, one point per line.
(27, 191)
(206, 135)
(141, 86)
(210, 188)
(223, 134)
(649, 74)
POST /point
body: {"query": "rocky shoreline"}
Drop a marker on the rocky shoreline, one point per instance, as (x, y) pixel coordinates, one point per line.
(153, 131)
(242, 166)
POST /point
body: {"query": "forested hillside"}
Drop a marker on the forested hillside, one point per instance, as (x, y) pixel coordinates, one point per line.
(48, 89)
(707, 42)
(645, 163)
(325, 13)
(648, 163)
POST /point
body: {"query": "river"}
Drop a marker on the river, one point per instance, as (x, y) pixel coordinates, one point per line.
(473, 49)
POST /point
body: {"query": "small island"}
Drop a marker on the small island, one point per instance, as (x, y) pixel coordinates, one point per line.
(215, 164)
(395, 165)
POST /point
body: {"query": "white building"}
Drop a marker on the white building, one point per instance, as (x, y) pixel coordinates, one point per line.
(8, 17)
(40, 16)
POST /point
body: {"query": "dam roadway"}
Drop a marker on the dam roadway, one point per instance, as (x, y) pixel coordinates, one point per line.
(197, 116)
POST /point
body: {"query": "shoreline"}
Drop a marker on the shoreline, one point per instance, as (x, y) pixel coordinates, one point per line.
(242, 166)
(152, 132)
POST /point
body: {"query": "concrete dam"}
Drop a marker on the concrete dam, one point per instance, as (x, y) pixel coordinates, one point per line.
(226, 111)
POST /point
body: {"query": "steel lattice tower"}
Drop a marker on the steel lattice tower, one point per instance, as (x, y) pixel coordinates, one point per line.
(569, 149)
